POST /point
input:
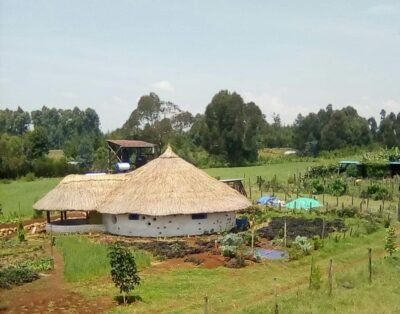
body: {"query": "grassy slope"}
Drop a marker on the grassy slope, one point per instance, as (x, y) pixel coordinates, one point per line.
(281, 170)
(251, 289)
(19, 196)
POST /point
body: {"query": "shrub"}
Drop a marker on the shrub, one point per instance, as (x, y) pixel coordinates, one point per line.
(315, 277)
(230, 244)
(347, 212)
(318, 243)
(37, 214)
(303, 243)
(390, 243)
(352, 171)
(29, 177)
(12, 275)
(21, 232)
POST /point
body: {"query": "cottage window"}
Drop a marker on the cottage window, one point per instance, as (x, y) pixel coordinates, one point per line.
(133, 216)
(199, 216)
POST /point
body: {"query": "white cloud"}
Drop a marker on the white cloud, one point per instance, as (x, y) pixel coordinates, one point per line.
(270, 104)
(164, 86)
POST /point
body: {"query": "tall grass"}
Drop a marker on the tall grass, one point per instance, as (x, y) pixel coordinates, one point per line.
(85, 259)
(17, 197)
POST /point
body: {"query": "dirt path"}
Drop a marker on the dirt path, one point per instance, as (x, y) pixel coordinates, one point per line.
(50, 294)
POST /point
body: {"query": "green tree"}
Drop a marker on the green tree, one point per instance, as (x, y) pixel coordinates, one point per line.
(390, 243)
(37, 143)
(123, 269)
(101, 159)
(232, 128)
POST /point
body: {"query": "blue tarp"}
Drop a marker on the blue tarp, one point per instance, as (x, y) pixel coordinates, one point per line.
(269, 200)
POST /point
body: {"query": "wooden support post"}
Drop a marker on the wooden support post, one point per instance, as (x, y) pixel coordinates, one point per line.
(249, 188)
(352, 199)
(311, 272)
(330, 277)
(65, 215)
(61, 216)
(206, 304)
(323, 229)
(370, 264)
(48, 216)
(284, 233)
(276, 307)
(398, 211)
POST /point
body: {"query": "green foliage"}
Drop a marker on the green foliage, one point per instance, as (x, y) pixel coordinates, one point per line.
(21, 232)
(376, 192)
(29, 177)
(37, 265)
(338, 187)
(123, 268)
(303, 244)
(315, 276)
(318, 243)
(352, 171)
(390, 240)
(232, 128)
(230, 244)
(13, 275)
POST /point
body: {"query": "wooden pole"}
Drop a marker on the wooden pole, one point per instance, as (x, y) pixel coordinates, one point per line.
(48, 216)
(352, 199)
(285, 233)
(206, 304)
(370, 264)
(249, 187)
(311, 272)
(276, 307)
(323, 229)
(330, 277)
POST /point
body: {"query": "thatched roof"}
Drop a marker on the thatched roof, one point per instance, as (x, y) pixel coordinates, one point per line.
(169, 185)
(80, 192)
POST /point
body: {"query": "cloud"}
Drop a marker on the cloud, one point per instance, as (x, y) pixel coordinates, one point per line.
(270, 104)
(164, 86)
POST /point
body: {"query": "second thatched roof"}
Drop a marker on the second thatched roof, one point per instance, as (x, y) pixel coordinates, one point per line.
(80, 192)
(169, 185)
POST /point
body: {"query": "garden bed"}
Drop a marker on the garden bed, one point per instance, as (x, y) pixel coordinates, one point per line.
(298, 226)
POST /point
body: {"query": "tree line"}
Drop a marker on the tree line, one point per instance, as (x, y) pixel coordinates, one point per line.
(229, 133)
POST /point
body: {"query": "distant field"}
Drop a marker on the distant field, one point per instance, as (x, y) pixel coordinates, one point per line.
(281, 170)
(18, 197)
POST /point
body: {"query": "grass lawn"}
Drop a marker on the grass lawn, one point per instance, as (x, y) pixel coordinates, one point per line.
(251, 289)
(281, 170)
(86, 259)
(18, 197)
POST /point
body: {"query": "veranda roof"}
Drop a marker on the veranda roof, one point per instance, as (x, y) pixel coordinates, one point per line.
(169, 185)
(80, 192)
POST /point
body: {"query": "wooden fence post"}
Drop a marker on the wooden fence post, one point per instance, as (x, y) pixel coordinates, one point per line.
(284, 234)
(206, 304)
(249, 188)
(330, 277)
(370, 264)
(311, 272)
(276, 306)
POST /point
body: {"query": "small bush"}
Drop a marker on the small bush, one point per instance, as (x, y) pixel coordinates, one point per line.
(317, 242)
(21, 232)
(230, 244)
(37, 214)
(303, 243)
(12, 276)
(347, 212)
(29, 177)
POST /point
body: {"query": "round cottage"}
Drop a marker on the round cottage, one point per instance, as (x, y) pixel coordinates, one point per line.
(171, 197)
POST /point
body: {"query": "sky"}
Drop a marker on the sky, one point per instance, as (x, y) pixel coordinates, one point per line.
(288, 57)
